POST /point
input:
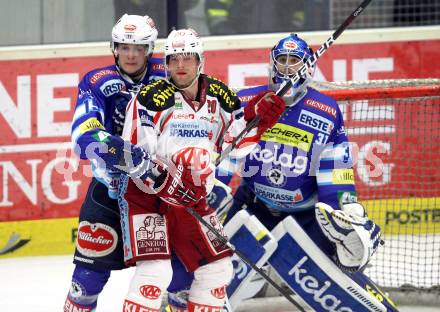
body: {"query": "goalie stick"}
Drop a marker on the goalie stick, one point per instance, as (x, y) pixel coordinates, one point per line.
(300, 73)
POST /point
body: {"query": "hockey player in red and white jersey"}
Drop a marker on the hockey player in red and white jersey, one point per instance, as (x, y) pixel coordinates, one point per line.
(181, 123)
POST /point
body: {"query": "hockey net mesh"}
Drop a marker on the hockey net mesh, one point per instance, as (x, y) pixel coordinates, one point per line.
(394, 126)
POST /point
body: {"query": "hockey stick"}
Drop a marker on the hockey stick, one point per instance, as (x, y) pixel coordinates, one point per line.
(245, 259)
(302, 71)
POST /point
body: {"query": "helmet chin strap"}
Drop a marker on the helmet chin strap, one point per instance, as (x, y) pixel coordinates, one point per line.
(135, 77)
(196, 79)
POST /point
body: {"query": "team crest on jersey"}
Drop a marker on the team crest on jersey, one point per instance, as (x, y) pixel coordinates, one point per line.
(276, 177)
(194, 158)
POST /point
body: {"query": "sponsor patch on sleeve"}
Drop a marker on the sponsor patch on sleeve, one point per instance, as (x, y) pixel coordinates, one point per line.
(90, 124)
(335, 176)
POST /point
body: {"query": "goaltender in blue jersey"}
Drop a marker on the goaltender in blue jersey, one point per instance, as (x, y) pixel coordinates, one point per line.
(296, 207)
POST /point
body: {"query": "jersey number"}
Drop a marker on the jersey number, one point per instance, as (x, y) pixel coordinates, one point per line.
(322, 139)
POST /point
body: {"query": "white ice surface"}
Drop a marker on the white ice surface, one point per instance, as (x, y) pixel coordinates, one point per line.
(40, 284)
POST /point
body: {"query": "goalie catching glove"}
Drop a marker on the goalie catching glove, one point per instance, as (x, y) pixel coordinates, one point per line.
(268, 106)
(356, 237)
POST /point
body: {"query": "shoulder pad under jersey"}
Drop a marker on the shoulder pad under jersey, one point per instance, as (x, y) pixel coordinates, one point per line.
(157, 96)
(227, 98)
(321, 103)
(105, 80)
(245, 95)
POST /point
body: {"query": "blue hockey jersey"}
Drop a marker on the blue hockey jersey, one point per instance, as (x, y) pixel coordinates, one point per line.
(98, 93)
(302, 159)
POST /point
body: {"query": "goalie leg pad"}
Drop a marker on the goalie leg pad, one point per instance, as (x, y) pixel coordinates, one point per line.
(366, 283)
(313, 276)
(253, 239)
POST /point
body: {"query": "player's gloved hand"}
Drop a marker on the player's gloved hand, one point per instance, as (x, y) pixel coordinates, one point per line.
(175, 184)
(220, 198)
(356, 237)
(115, 154)
(268, 106)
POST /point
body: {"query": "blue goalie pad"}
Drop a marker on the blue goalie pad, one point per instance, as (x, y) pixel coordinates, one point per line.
(314, 277)
(250, 237)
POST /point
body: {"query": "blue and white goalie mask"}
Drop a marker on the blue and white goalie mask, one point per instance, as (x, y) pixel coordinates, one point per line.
(286, 57)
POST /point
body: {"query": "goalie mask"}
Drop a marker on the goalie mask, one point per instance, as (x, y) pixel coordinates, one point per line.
(184, 42)
(134, 29)
(286, 57)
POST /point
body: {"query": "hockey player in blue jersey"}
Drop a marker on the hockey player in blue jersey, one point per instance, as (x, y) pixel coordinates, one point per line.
(299, 184)
(102, 96)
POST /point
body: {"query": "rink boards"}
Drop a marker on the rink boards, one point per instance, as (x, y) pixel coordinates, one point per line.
(410, 216)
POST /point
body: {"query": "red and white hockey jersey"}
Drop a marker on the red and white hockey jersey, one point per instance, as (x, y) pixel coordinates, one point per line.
(166, 123)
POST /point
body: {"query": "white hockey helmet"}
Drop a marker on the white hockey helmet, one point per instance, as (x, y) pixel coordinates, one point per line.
(185, 41)
(135, 29)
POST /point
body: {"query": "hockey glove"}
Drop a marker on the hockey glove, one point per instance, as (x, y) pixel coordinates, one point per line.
(175, 185)
(114, 154)
(356, 237)
(268, 106)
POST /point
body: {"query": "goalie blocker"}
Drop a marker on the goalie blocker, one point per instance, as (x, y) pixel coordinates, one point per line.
(300, 263)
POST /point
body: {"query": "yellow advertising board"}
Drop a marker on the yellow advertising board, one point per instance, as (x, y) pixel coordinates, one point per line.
(38, 237)
(406, 216)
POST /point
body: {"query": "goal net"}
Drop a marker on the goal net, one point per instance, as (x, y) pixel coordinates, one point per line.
(394, 127)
